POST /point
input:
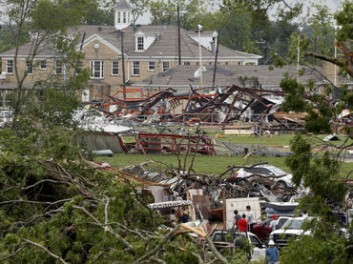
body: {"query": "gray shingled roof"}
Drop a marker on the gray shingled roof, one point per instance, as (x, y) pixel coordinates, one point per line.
(166, 44)
(122, 4)
(229, 75)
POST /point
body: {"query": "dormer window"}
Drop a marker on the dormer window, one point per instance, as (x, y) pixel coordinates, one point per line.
(118, 17)
(140, 41)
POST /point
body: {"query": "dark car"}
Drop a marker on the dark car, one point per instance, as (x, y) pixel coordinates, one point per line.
(263, 229)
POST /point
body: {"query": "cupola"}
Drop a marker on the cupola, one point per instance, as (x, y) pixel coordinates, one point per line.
(123, 14)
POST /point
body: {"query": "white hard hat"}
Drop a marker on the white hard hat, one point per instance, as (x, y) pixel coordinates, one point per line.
(271, 243)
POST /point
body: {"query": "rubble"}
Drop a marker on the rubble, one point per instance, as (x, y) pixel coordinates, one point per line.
(225, 106)
(205, 194)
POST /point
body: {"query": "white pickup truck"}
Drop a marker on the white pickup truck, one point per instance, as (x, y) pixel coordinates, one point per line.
(226, 240)
(290, 230)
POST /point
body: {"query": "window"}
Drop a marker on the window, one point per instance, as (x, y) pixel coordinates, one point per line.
(151, 65)
(43, 65)
(97, 69)
(29, 67)
(58, 67)
(186, 63)
(79, 67)
(9, 66)
(136, 68)
(140, 43)
(115, 67)
(124, 17)
(119, 17)
(165, 65)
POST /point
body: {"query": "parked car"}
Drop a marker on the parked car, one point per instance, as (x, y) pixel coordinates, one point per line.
(263, 229)
(227, 240)
(290, 230)
(278, 175)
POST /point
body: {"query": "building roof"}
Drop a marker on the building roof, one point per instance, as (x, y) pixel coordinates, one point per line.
(163, 43)
(264, 75)
(122, 4)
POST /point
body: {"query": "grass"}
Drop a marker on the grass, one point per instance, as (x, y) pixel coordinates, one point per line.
(215, 165)
(203, 164)
(273, 140)
(210, 165)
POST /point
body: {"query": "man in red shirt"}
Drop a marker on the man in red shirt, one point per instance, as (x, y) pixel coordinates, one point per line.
(242, 224)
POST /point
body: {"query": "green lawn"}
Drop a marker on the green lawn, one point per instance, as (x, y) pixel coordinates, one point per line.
(273, 140)
(218, 164)
(214, 165)
(203, 164)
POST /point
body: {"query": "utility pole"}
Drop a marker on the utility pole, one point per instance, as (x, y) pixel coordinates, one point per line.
(215, 39)
(179, 45)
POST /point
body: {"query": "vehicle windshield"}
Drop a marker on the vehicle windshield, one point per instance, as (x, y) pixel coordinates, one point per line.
(277, 171)
(293, 224)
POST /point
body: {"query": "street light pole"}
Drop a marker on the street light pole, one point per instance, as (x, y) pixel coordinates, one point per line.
(200, 54)
(179, 44)
(123, 63)
(336, 27)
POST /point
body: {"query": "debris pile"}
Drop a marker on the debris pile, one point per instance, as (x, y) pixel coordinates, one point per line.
(205, 195)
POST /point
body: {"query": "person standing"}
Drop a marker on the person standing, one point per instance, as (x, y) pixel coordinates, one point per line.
(237, 217)
(273, 222)
(272, 253)
(242, 224)
(250, 217)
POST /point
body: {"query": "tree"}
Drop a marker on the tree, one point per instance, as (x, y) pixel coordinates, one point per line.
(167, 12)
(99, 14)
(262, 34)
(316, 163)
(27, 20)
(343, 40)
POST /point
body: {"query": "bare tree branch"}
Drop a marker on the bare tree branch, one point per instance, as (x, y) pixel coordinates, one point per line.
(35, 202)
(46, 250)
(106, 228)
(39, 182)
(169, 235)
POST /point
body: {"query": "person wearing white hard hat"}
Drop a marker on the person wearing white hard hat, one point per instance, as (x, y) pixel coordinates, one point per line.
(272, 253)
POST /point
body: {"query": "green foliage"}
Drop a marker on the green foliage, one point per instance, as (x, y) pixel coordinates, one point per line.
(310, 249)
(239, 21)
(294, 98)
(321, 31)
(318, 172)
(61, 14)
(99, 15)
(316, 123)
(166, 12)
(345, 20)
